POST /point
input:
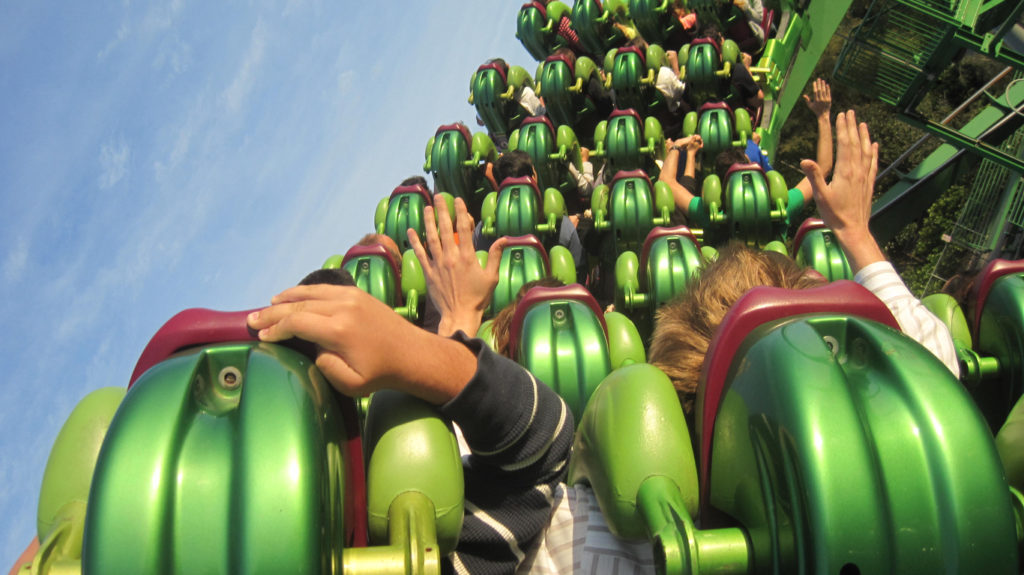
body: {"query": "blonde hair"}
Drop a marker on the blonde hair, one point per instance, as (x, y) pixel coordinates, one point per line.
(684, 326)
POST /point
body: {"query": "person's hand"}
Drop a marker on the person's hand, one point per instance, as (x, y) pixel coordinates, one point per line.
(845, 203)
(584, 154)
(691, 143)
(820, 102)
(363, 345)
(458, 286)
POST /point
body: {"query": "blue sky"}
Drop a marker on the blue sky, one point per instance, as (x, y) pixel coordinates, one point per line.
(166, 155)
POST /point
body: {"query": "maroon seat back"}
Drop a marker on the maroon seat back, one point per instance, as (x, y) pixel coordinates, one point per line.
(541, 294)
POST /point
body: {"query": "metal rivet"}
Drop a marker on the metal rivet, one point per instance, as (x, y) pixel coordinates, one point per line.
(230, 377)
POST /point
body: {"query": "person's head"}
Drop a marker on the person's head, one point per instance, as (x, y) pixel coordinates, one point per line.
(383, 240)
(728, 158)
(501, 327)
(710, 30)
(499, 61)
(513, 164)
(416, 181)
(332, 276)
(684, 326)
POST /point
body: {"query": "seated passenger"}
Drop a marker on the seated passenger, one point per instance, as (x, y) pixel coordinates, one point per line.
(685, 189)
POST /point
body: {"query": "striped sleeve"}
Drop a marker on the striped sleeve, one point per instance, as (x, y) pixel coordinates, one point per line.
(520, 434)
(914, 318)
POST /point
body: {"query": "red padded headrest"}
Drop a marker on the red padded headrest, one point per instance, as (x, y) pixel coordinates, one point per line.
(569, 60)
(538, 5)
(189, 328)
(539, 120)
(627, 112)
(742, 168)
(376, 250)
(634, 49)
(456, 127)
(660, 232)
(715, 106)
(711, 41)
(539, 294)
(522, 181)
(995, 269)
(496, 67)
(415, 189)
(531, 241)
(623, 174)
(757, 307)
(809, 225)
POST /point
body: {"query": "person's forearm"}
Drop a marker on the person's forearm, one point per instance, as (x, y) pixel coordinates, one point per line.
(860, 248)
(669, 169)
(433, 368)
(825, 153)
(467, 321)
(691, 163)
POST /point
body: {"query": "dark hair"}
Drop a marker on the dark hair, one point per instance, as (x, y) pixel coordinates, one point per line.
(416, 181)
(710, 30)
(728, 158)
(499, 61)
(332, 276)
(512, 164)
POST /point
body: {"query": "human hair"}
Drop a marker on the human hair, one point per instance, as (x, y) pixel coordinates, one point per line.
(416, 181)
(332, 276)
(726, 159)
(710, 30)
(512, 164)
(501, 326)
(389, 244)
(684, 326)
(499, 61)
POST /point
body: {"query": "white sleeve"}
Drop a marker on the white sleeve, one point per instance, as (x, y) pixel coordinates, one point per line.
(528, 99)
(914, 318)
(584, 179)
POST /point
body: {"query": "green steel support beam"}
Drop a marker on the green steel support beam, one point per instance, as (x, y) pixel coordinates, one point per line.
(961, 140)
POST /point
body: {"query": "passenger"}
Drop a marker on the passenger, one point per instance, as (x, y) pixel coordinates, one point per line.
(690, 207)
(745, 91)
(389, 244)
(520, 431)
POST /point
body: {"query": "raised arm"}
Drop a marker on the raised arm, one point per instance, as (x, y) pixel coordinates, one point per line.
(820, 104)
(683, 194)
(458, 286)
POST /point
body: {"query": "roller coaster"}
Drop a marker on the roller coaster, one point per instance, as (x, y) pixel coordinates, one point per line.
(824, 441)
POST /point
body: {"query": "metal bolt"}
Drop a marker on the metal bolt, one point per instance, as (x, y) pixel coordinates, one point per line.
(230, 377)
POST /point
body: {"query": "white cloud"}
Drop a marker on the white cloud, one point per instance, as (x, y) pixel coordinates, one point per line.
(236, 92)
(15, 262)
(114, 157)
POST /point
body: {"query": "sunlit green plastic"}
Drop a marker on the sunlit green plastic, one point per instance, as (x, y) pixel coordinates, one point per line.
(631, 212)
(454, 165)
(594, 26)
(199, 474)
(633, 81)
(749, 211)
(715, 127)
(380, 214)
(404, 211)
(1010, 445)
(519, 211)
(411, 449)
(1001, 335)
(654, 20)
(672, 263)
(820, 250)
(537, 140)
(563, 267)
(564, 345)
(842, 446)
(623, 144)
(625, 346)
(563, 94)
(519, 265)
(534, 32)
(702, 64)
(374, 275)
(488, 91)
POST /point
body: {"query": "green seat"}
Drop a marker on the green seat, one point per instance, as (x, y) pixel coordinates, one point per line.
(403, 210)
(595, 26)
(816, 418)
(627, 142)
(562, 82)
(632, 75)
(537, 27)
(708, 67)
(719, 127)
(375, 272)
(816, 247)
(630, 208)
(524, 260)
(564, 339)
(551, 150)
(455, 160)
(519, 208)
(752, 208)
(492, 93)
(655, 21)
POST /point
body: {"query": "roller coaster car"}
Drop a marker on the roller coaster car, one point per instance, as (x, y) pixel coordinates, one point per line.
(595, 24)
(524, 260)
(551, 150)
(563, 83)
(707, 68)
(228, 454)
(537, 27)
(632, 75)
(376, 273)
(814, 418)
(719, 126)
(519, 208)
(456, 159)
(752, 209)
(991, 350)
(670, 259)
(563, 338)
(630, 208)
(627, 142)
(492, 90)
(816, 247)
(656, 21)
